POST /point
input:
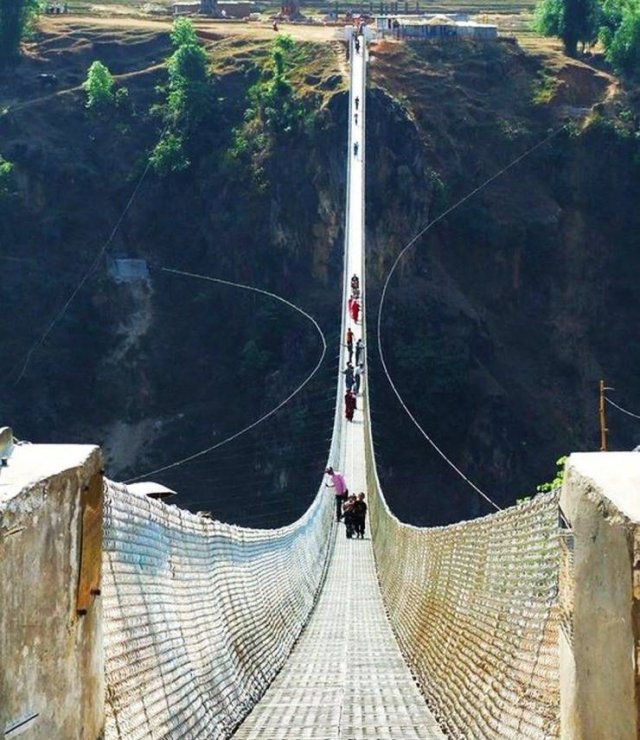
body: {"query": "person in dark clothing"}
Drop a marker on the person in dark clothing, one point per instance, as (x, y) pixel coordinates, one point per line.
(349, 517)
(348, 376)
(357, 102)
(357, 378)
(349, 405)
(349, 342)
(359, 513)
(359, 350)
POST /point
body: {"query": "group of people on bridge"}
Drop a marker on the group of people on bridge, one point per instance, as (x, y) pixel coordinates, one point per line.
(349, 508)
(353, 376)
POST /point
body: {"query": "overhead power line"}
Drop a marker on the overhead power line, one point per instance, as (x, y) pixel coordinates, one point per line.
(624, 411)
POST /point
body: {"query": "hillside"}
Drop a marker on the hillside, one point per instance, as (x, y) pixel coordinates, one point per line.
(520, 301)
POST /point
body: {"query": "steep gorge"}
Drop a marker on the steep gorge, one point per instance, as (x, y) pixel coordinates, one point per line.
(498, 326)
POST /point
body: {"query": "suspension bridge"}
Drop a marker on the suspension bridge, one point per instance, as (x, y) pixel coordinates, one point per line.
(516, 625)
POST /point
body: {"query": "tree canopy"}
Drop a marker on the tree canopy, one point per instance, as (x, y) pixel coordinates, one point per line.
(574, 21)
(188, 98)
(15, 20)
(99, 86)
(615, 23)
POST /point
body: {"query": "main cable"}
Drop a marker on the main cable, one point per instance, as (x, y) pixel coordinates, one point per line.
(405, 249)
(87, 274)
(266, 416)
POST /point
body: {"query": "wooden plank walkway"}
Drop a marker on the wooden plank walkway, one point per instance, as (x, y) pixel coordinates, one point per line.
(346, 678)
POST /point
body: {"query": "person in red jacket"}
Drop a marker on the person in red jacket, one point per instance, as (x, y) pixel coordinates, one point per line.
(355, 310)
(349, 405)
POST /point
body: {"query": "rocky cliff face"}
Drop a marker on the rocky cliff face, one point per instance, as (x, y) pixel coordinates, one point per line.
(503, 318)
(498, 325)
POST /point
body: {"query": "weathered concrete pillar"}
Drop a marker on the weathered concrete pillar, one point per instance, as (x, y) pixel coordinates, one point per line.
(599, 591)
(51, 647)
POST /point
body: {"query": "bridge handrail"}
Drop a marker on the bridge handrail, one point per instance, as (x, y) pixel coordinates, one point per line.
(474, 606)
(228, 648)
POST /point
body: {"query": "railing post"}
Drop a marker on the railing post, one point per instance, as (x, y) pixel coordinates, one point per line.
(599, 597)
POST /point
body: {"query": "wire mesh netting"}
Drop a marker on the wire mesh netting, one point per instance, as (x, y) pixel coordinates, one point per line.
(475, 609)
(200, 615)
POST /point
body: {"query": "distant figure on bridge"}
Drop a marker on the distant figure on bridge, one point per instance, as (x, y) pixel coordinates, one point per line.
(355, 310)
(355, 280)
(359, 351)
(359, 511)
(349, 405)
(357, 102)
(355, 118)
(349, 516)
(357, 45)
(348, 376)
(355, 149)
(349, 342)
(341, 491)
(357, 378)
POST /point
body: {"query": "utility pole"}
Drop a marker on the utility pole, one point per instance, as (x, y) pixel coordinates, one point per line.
(603, 420)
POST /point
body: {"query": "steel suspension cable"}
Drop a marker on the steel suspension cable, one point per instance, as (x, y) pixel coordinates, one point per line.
(86, 275)
(401, 254)
(264, 417)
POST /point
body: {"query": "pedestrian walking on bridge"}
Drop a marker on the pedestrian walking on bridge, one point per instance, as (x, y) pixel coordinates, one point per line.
(348, 376)
(359, 351)
(359, 513)
(355, 310)
(349, 342)
(349, 405)
(357, 378)
(341, 492)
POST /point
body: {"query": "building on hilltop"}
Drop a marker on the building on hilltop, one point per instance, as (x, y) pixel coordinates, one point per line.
(432, 27)
(217, 8)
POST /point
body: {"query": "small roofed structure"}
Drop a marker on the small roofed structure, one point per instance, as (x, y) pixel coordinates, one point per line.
(437, 26)
(187, 8)
(235, 8)
(150, 489)
(128, 270)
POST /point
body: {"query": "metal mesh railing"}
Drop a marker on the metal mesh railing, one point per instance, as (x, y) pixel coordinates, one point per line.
(200, 615)
(475, 609)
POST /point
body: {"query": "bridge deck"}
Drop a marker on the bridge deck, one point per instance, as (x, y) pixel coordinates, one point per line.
(346, 677)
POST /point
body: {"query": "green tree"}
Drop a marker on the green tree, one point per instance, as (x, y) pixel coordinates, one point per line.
(99, 86)
(168, 155)
(188, 99)
(274, 98)
(183, 33)
(574, 21)
(16, 17)
(620, 35)
(189, 95)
